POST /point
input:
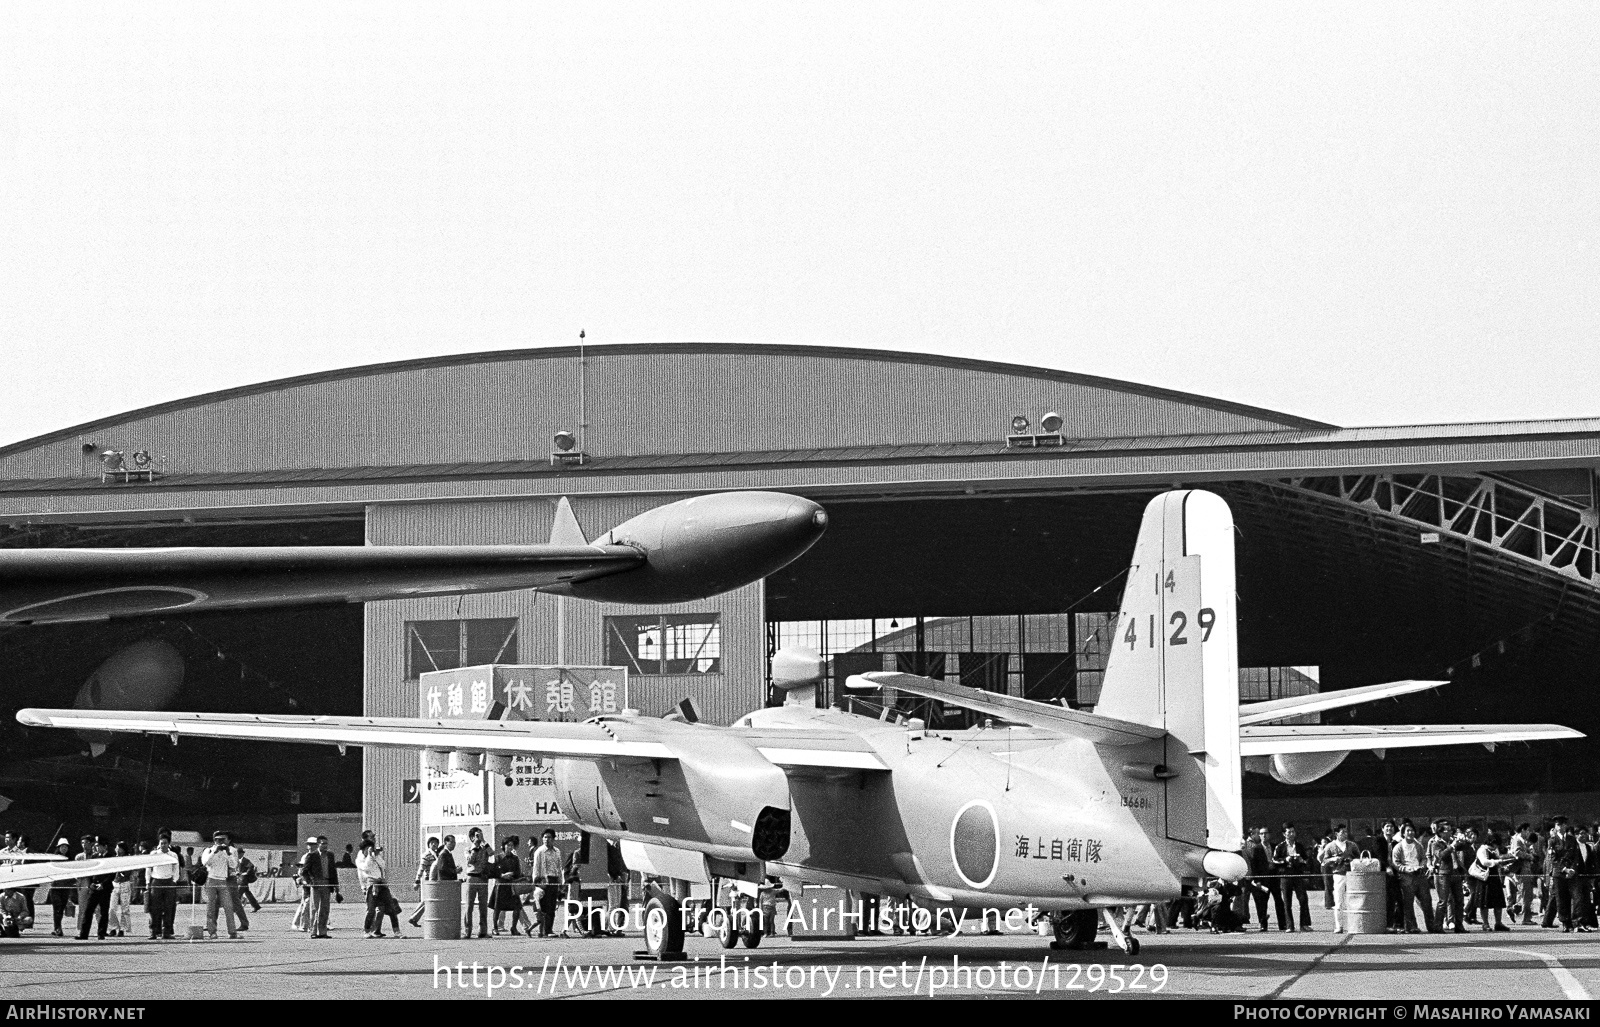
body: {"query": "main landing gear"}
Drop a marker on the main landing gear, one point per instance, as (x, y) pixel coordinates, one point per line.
(742, 921)
(663, 927)
(1076, 929)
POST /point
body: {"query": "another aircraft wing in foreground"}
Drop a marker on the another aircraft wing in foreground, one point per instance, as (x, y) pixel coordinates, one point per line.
(1272, 741)
(576, 741)
(686, 550)
(34, 874)
(1076, 723)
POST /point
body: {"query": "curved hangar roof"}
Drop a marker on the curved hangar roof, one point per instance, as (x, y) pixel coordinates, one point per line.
(643, 400)
(693, 416)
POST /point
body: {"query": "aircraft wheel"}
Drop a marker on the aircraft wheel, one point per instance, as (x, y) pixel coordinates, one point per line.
(663, 926)
(727, 935)
(1133, 946)
(1076, 930)
(754, 925)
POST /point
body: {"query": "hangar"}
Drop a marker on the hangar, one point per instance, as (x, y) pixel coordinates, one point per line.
(972, 537)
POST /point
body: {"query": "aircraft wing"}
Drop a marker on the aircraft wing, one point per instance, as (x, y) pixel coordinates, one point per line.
(1077, 723)
(802, 751)
(1270, 741)
(44, 586)
(690, 549)
(34, 874)
(576, 741)
(1294, 706)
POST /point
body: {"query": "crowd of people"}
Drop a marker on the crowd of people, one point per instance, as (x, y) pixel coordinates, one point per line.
(1437, 877)
(220, 877)
(495, 879)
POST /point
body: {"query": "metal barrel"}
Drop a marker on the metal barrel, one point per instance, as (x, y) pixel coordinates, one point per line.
(1365, 902)
(441, 912)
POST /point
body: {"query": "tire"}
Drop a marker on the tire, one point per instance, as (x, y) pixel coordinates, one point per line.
(1075, 929)
(663, 926)
(727, 936)
(1133, 946)
(754, 924)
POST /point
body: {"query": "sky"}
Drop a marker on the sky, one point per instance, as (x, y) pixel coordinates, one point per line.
(1363, 213)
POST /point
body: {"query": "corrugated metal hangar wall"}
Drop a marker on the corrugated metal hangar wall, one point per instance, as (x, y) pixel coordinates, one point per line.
(720, 698)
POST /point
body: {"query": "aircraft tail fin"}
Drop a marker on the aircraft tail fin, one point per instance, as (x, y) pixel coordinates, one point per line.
(566, 530)
(1174, 661)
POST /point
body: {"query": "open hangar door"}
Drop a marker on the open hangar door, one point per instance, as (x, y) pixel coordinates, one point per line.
(1325, 598)
(306, 661)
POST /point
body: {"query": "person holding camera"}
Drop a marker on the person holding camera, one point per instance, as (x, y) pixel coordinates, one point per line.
(220, 864)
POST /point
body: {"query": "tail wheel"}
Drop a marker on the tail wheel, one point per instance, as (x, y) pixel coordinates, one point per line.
(663, 926)
(1075, 930)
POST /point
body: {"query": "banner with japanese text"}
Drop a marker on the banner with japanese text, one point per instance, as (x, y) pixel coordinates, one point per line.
(546, 693)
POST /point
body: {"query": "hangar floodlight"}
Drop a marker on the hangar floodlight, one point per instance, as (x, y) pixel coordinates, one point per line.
(564, 449)
(1049, 433)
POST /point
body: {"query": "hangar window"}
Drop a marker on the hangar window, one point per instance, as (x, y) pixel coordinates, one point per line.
(689, 643)
(448, 644)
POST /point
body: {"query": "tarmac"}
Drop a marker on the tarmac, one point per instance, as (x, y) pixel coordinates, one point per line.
(271, 961)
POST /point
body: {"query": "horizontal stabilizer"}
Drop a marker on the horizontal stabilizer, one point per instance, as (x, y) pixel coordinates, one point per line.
(29, 875)
(1299, 705)
(1271, 741)
(575, 741)
(1098, 729)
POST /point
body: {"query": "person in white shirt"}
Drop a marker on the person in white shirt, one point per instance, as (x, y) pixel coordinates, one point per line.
(547, 871)
(220, 864)
(161, 895)
(372, 872)
(1409, 859)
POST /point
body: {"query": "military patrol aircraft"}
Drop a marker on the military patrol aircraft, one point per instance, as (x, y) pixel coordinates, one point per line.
(690, 549)
(1071, 812)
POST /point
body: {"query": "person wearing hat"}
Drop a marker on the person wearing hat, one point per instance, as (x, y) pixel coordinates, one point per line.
(221, 864)
(61, 893)
(161, 891)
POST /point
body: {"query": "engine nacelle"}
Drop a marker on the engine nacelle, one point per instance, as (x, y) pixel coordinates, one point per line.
(717, 795)
(1296, 768)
